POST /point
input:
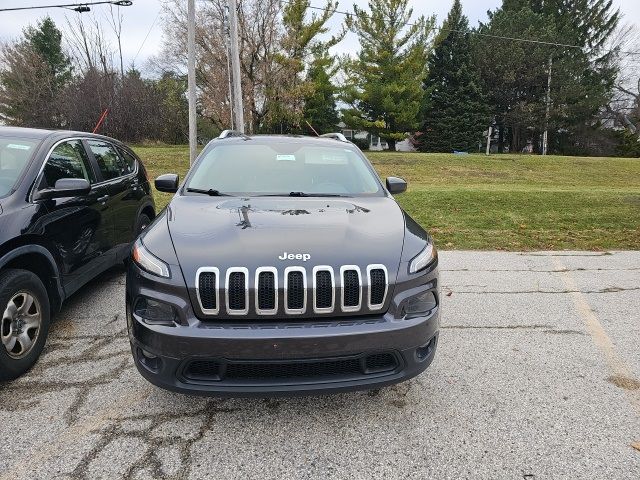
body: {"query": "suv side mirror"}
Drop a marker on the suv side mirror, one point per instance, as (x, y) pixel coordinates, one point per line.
(168, 182)
(65, 187)
(396, 185)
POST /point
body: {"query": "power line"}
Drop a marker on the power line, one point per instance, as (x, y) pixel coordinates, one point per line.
(118, 3)
(480, 34)
(147, 35)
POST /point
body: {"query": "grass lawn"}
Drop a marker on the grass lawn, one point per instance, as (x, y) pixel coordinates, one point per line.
(502, 202)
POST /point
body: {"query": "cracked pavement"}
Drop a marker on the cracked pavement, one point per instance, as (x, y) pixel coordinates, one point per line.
(537, 375)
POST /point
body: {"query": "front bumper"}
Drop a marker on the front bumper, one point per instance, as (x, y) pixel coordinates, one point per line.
(277, 357)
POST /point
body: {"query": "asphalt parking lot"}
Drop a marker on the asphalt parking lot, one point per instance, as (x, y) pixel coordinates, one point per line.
(537, 376)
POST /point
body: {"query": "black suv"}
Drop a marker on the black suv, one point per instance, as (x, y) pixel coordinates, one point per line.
(282, 265)
(70, 205)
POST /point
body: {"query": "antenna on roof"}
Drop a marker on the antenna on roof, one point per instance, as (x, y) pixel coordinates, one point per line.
(311, 127)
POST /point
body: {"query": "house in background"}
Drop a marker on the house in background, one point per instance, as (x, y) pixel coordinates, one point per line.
(376, 144)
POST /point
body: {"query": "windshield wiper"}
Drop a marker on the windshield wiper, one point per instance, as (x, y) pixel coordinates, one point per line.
(303, 194)
(211, 192)
(298, 194)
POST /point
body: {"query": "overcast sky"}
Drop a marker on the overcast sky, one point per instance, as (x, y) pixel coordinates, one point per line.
(142, 18)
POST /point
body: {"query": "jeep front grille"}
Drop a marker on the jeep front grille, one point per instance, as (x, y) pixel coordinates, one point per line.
(207, 288)
(351, 288)
(267, 291)
(295, 287)
(377, 275)
(348, 291)
(324, 290)
(237, 291)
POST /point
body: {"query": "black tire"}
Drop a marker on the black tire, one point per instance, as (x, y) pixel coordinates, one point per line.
(142, 223)
(12, 283)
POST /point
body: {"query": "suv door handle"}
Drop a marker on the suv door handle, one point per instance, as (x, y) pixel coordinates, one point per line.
(103, 199)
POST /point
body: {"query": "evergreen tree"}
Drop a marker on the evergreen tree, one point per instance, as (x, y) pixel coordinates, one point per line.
(455, 113)
(46, 41)
(302, 32)
(320, 106)
(35, 72)
(384, 87)
(515, 73)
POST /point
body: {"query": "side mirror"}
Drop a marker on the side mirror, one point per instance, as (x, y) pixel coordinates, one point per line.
(396, 185)
(65, 187)
(168, 182)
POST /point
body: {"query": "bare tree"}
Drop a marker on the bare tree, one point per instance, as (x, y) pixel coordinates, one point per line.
(275, 41)
(115, 20)
(623, 109)
(88, 44)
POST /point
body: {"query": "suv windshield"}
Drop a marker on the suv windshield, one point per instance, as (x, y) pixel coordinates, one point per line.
(273, 168)
(15, 154)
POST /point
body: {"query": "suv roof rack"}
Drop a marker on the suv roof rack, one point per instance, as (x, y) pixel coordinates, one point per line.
(231, 133)
(336, 136)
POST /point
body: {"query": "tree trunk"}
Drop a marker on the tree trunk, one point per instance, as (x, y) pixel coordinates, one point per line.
(392, 145)
(501, 138)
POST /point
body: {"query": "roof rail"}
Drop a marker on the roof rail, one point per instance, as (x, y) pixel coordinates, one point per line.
(231, 133)
(336, 136)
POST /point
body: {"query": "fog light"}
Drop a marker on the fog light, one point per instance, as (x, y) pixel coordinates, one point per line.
(154, 312)
(420, 305)
(423, 352)
(150, 361)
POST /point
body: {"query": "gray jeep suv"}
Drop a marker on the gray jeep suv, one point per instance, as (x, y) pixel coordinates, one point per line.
(282, 265)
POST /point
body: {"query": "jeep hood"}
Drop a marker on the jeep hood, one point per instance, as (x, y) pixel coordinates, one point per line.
(254, 232)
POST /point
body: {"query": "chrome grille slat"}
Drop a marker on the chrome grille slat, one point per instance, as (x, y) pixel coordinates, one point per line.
(350, 287)
(324, 289)
(208, 293)
(378, 284)
(295, 294)
(266, 291)
(351, 282)
(237, 291)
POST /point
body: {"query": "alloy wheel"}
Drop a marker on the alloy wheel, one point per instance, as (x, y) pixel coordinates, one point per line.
(20, 324)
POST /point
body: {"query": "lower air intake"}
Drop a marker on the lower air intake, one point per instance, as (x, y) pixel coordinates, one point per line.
(290, 372)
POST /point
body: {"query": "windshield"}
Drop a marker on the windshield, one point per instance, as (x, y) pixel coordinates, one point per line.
(15, 154)
(256, 169)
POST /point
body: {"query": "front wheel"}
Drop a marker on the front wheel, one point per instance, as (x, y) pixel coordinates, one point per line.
(142, 223)
(24, 325)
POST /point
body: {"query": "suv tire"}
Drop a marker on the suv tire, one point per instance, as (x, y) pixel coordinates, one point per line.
(24, 321)
(142, 223)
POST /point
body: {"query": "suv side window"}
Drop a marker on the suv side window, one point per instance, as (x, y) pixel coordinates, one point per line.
(129, 160)
(67, 160)
(109, 162)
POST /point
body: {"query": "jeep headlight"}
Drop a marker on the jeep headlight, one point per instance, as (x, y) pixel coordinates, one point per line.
(148, 261)
(424, 258)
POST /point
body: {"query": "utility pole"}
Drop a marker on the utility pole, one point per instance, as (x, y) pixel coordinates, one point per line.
(227, 40)
(191, 74)
(235, 65)
(545, 135)
(489, 139)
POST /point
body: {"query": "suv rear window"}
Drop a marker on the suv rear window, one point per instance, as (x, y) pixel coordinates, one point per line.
(129, 160)
(109, 162)
(15, 154)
